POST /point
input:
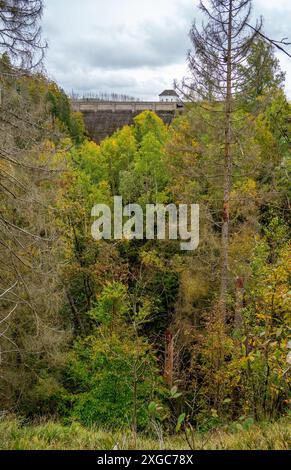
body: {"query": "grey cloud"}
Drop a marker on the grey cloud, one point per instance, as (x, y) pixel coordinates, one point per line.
(126, 53)
(151, 45)
(95, 81)
(81, 79)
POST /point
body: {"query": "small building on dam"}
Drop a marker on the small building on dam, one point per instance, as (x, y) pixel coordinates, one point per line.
(103, 118)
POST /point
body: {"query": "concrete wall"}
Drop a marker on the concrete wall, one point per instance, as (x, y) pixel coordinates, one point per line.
(103, 118)
(95, 105)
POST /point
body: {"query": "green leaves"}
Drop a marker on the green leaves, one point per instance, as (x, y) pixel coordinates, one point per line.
(180, 421)
(145, 180)
(174, 394)
(112, 304)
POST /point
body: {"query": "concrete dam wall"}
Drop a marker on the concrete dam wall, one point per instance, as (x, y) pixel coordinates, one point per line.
(103, 118)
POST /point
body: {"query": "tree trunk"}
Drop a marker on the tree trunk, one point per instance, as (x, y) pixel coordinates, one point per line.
(227, 175)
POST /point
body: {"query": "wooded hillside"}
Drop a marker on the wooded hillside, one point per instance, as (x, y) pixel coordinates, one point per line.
(138, 335)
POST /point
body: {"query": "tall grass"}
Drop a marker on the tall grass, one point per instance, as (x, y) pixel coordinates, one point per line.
(15, 435)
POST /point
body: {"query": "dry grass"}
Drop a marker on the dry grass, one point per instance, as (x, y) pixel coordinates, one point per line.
(52, 435)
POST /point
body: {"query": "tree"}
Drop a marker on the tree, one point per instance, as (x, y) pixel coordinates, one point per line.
(112, 375)
(20, 44)
(262, 71)
(30, 328)
(220, 47)
(20, 31)
(117, 152)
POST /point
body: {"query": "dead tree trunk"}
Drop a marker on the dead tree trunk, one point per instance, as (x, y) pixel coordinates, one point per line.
(221, 46)
(227, 174)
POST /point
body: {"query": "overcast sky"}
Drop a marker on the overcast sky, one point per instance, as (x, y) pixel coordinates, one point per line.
(136, 47)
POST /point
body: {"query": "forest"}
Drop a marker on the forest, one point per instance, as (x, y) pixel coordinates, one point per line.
(135, 343)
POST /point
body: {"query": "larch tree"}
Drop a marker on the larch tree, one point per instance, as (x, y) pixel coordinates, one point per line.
(220, 47)
(24, 236)
(21, 49)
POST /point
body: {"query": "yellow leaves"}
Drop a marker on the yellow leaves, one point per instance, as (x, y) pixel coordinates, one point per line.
(193, 286)
(90, 147)
(184, 125)
(113, 143)
(246, 187)
(48, 146)
(275, 291)
(250, 186)
(151, 259)
(263, 316)
(243, 362)
(53, 88)
(194, 144)
(214, 413)
(145, 115)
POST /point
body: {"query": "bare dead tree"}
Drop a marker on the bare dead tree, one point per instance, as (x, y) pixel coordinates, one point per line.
(25, 235)
(221, 46)
(21, 49)
(102, 96)
(20, 32)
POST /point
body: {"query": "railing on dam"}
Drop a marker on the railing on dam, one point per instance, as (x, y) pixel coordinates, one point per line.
(115, 106)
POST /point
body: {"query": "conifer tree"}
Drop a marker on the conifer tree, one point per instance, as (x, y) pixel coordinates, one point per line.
(220, 47)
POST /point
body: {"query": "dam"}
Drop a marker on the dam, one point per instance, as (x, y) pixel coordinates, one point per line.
(103, 118)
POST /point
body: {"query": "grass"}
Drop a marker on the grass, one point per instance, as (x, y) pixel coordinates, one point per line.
(54, 436)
